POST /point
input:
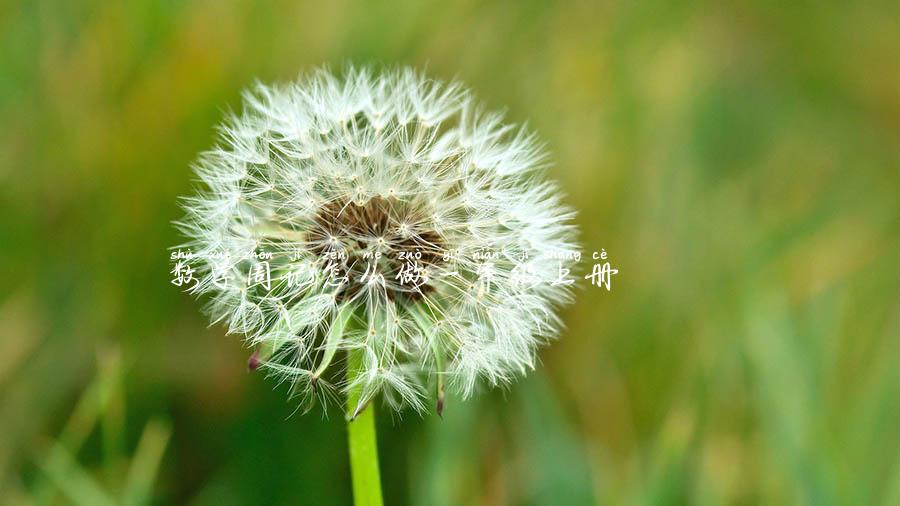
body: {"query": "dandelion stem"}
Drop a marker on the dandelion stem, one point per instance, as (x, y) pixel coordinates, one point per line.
(362, 442)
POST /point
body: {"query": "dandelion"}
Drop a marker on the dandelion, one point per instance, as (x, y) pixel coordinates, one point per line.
(367, 234)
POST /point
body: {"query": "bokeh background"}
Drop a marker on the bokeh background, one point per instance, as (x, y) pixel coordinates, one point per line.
(737, 160)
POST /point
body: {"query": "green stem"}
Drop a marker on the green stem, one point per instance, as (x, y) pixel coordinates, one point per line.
(362, 442)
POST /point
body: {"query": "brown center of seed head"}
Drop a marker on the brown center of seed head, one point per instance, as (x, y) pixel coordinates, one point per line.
(382, 238)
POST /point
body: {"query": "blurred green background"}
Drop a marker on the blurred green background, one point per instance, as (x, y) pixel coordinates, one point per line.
(737, 160)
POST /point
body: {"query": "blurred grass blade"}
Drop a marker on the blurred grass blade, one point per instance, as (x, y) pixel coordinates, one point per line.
(94, 402)
(145, 465)
(77, 485)
(90, 407)
(112, 424)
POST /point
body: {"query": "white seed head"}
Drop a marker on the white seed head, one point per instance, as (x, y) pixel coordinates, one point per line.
(384, 214)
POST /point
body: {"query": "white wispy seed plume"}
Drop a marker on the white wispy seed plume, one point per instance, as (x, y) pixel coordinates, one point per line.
(382, 212)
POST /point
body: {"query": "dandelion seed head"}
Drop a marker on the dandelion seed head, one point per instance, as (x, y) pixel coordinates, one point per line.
(399, 181)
